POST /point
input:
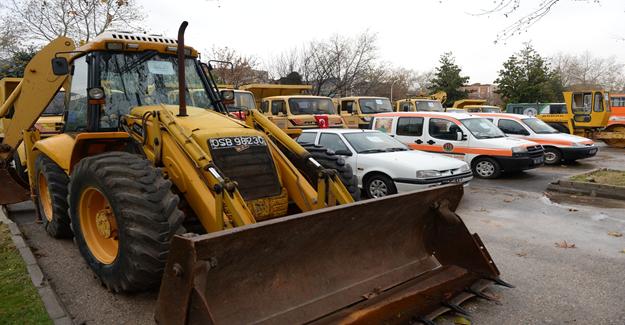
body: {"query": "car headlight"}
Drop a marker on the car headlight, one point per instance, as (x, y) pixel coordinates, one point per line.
(519, 149)
(578, 144)
(366, 119)
(464, 168)
(428, 173)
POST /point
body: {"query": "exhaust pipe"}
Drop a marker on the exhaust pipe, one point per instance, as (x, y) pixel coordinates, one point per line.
(182, 93)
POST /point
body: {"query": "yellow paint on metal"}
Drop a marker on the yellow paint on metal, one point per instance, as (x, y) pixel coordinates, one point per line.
(58, 148)
(95, 215)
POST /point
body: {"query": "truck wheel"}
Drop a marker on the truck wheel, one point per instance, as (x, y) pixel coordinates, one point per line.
(328, 159)
(485, 167)
(124, 216)
(553, 156)
(51, 190)
(379, 185)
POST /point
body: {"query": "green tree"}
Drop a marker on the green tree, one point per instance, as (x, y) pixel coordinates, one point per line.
(13, 65)
(447, 78)
(527, 77)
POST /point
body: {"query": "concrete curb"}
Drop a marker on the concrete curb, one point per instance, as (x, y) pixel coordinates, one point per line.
(587, 188)
(51, 301)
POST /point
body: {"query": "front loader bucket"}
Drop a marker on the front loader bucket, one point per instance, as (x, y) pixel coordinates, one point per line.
(12, 189)
(407, 257)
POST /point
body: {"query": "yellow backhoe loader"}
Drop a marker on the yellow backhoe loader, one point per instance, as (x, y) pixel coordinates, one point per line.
(237, 222)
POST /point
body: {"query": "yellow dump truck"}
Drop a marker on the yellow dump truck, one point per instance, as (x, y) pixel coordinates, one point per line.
(237, 222)
(587, 114)
(475, 106)
(358, 111)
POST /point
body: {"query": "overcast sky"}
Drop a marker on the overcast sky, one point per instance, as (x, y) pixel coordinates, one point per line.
(411, 34)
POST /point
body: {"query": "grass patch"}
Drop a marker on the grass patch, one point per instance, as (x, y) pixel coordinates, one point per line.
(602, 176)
(19, 301)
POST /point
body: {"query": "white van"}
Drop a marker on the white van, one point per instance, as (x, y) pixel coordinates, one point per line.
(471, 138)
(559, 147)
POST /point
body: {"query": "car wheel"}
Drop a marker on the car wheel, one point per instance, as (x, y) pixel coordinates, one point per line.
(486, 168)
(379, 186)
(553, 156)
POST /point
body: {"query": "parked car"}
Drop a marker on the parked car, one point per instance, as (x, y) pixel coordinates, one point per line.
(471, 138)
(384, 165)
(558, 146)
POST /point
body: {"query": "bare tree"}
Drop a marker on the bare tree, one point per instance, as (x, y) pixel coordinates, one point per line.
(588, 71)
(81, 20)
(242, 69)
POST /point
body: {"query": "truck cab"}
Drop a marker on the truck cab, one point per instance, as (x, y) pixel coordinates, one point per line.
(358, 111)
(418, 105)
(474, 139)
(301, 112)
(474, 106)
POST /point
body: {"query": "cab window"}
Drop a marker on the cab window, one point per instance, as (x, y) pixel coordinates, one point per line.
(264, 107)
(347, 106)
(443, 129)
(581, 103)
(277, 107)
(333, 142)
(307, 138)
(598, 103)
(410, 126)
(77, 97)
(406, 107)
(511, 127)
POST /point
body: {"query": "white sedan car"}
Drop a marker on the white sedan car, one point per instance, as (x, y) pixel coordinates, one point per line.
(386, 166)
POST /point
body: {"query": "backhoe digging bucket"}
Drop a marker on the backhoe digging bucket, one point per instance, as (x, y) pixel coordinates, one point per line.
(12, 189)
(403, 258)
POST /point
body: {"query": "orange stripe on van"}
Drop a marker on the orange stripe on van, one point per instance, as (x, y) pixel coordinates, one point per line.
(464, 150)
(550, 141)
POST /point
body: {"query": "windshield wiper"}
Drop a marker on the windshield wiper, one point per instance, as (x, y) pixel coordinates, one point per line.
(146, 56)
(372, 150)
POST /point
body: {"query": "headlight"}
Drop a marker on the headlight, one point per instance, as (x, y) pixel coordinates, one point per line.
(519, 149)
(366, 119)
(96, 93)
(578, 144)
(428, 173)
(464, 168)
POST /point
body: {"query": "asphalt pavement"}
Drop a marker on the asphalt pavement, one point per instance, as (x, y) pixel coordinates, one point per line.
(523, 229)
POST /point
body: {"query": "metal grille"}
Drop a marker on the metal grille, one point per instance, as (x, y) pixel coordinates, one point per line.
(535, 151)
(253, 169)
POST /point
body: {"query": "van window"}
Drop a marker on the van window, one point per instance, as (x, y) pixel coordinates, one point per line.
(383, 124)
(410, 126)
(307, 138)
(511, 127)
(332, 141)
(277, 106)
(443, 129)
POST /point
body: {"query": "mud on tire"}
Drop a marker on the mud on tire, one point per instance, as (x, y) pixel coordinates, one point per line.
(146, 215)
(52, 203)
(328, 159)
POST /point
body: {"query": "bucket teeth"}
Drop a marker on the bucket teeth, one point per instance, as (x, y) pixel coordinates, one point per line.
(421, 320)
(456, 308)
(501, 282)
(479, 294)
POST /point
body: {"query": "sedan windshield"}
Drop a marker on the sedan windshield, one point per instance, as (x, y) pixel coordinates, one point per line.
(482, 128)
(371, 142)
(375, 105)
(313, 106)
(429, 106)
(538, 126)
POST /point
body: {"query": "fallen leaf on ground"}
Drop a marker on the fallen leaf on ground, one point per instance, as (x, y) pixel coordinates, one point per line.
(507, 200)
(615, 234)
(573, 209)
(564, 244)
(521, 254)
(461, 321)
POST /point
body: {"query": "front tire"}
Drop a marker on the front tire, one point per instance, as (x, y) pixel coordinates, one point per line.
(485, 167)
(124, 215)
(379, 185)
(51, 191)
(553, 156)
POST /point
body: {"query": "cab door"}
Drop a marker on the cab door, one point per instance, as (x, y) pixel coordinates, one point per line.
(278, 113)
(446, 136)
(349, 111)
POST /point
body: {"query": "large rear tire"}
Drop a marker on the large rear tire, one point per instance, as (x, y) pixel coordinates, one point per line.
(51, 190)
(124, 216)
(328, 159)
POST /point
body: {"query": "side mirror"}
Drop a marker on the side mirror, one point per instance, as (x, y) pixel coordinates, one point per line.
(343, 152)
(227, 96)
(60, 66)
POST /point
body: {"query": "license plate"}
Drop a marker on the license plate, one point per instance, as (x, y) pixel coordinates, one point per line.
(538, 160)
(592, 151)
(455, 180)
(233, 142)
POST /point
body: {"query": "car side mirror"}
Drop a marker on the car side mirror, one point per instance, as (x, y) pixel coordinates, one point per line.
(343, 152)
(227, 96)
(60, 66)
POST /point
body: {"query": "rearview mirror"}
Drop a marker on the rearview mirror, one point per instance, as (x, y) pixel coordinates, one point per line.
(343, 152)
(60, 66)
(227, 96)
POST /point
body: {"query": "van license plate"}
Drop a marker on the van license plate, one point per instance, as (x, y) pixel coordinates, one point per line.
(538, 160)
(592, 151)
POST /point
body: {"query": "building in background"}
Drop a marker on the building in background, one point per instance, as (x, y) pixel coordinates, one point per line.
(484, 91)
